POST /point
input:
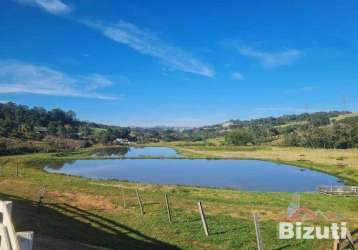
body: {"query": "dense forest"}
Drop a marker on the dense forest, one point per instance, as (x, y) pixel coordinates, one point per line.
(24, 129)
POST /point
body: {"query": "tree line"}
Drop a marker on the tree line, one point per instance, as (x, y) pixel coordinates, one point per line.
(21, 128)
(318, 130)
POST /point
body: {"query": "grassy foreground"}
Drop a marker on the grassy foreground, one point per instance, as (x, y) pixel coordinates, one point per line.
(92, 212)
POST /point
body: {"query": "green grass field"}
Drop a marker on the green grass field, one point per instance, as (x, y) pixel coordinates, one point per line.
(91, 211)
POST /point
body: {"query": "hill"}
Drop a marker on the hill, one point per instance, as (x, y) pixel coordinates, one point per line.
(335, 129)
(24, 129)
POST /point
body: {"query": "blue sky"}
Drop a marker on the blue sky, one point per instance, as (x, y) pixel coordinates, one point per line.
(181, 63)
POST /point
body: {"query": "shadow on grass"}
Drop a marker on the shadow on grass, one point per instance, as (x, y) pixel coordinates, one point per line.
(287, 246)
(63, 221)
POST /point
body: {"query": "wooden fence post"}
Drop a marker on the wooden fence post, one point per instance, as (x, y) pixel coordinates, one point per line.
(123, 198)
(168, 208)
(258, 231)
(17, 169)
(203, 219)
(335, 245)
(139, 202)
(1, 171)
(350, 239)
(42, 193)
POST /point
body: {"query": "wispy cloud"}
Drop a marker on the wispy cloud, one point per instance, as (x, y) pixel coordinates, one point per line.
(299, 90)
(148, 43)
(237, 76)
(272, 59)
(55, 7)
(96, 81)
(22, 77)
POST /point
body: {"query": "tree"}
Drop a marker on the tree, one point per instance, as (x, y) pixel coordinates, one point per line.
(239, 138)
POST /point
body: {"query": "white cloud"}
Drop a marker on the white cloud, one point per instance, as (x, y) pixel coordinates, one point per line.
(148, 43)
(237, 76)
(21, 77)
(96, 81)
(272, 59)
(55, 7)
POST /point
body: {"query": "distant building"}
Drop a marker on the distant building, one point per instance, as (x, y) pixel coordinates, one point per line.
(227, 124)
(120, 141)
(41, 130)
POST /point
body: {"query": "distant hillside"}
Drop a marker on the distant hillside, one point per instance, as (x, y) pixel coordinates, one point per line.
(335, 129)
(297, 119)
(24, 129)
(346, 117)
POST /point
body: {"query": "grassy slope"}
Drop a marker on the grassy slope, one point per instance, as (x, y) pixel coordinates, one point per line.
(341, 117)
(91, 211)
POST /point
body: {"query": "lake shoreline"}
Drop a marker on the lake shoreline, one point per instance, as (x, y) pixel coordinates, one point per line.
(163, 166)
(189, 153)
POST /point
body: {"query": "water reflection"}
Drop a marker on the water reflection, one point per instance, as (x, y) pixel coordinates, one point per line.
(161, 152)
(240, 174)
(110, 152)
(168, 168)
(135, 152)
(56, 165)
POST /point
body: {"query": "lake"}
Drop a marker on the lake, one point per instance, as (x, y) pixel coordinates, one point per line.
(252, 175)
(136, 152)
(152, 152)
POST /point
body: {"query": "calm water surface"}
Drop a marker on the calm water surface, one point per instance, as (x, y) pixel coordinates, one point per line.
(152, 151)
(135, 152)
(239, 174)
